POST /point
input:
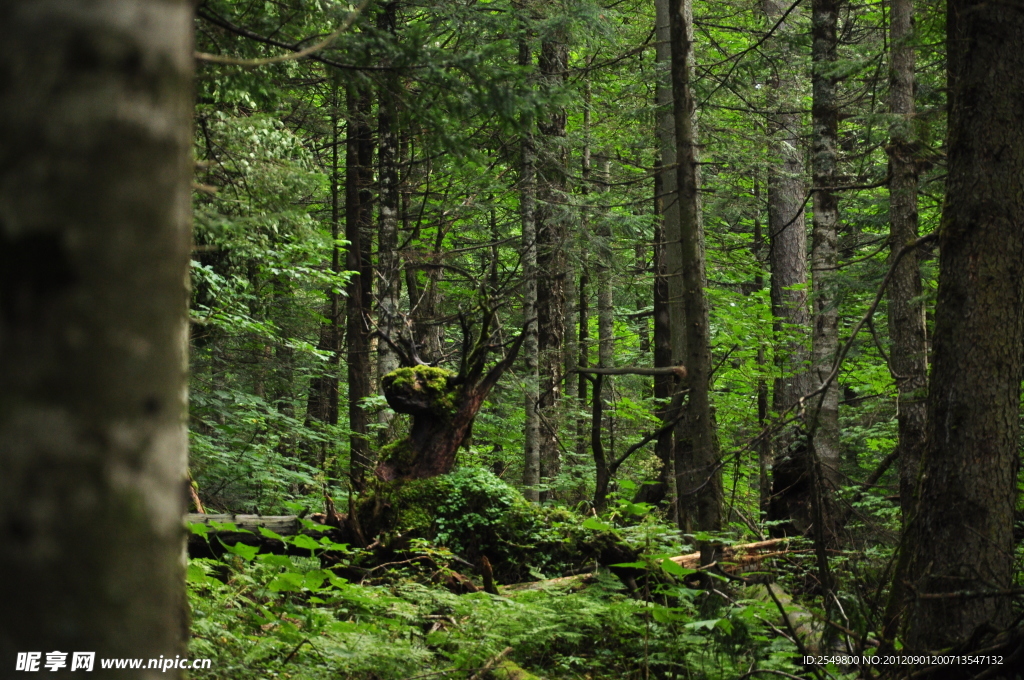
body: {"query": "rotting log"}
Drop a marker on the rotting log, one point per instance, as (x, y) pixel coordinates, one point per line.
(737, 559)
(732, 560)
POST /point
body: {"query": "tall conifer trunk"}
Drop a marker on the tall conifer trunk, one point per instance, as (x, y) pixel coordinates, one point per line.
(389, 270)
(358, 176)
(551, 253)
(787, 234)
(960, 536)
(700, 478)
(824, 253)
(528, 217)
(667, 200)
(906, 308)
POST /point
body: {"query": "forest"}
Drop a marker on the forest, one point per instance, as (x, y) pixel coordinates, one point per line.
(513, 339)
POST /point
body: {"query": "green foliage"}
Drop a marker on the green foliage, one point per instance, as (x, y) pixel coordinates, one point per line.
(474, 513)
(276, 616)
(270, 145)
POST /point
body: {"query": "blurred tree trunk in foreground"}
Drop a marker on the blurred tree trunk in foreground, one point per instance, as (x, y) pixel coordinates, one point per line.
(95, 169)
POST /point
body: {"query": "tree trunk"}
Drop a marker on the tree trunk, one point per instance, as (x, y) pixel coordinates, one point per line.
(322, 404)
(670, 214)
(423, 293)
(764, 447)
(906, 309)
(527, 209)
(824, 159)
(389, 270)
(669, 280)
(663, 490)
(700, 478)
(95, 176)
(583, 359)
(787, 235)
(551, 260)
(358, 154)
(603, 256)
(960, 537)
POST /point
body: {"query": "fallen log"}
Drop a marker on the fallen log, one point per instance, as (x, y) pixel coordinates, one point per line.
(736, 559)
(247, 532)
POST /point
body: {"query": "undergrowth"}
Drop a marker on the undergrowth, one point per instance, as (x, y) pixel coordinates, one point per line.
(274, 616)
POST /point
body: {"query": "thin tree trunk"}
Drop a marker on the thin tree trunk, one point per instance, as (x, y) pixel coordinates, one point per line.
(95, 176)
(605, 296)
(906, 309)
(583, 360)
(667, 199)
(764, 447)
(551, 256)
(389, 268)
(423, 294)
(358, 150)
(699, 475)
(825, 337)
(322, 405)
(664, 489)
(960, 536)
(527, 208)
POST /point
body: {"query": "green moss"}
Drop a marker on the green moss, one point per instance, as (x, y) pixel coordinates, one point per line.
(435, 378)
(430, 383)
(399, 452)
(474, 513)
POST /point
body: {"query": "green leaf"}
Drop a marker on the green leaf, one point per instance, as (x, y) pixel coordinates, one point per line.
(271, 534)
(670, 567)
(289, 581)
(276, 561)
(304, 541)
(246, 552)
(708, 624)
(596, 524)
(196, 574)
(199, 529)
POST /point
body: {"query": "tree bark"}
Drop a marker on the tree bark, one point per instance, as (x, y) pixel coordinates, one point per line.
(552, 235)
(960, 536)
(528, 217)
(358, 155)
(389, 270)
(664, 488)
(787, 234)
(907, 330)
(669, 281)
(699, 476)
(824, 253)
(95, 177)
(604, 255)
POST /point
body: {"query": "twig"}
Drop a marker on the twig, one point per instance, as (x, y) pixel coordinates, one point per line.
(490, 664)
(313, 49)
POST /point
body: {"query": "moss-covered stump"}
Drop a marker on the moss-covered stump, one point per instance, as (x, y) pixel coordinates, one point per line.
(475, 514)
(441, 419)
(422, 391)
(442, 404)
